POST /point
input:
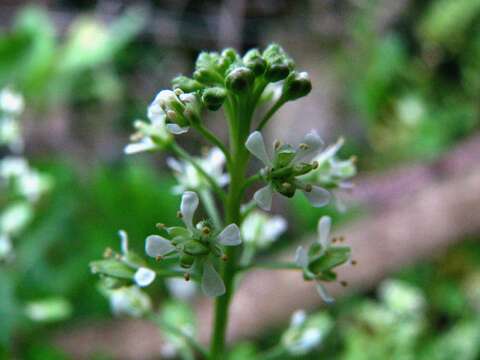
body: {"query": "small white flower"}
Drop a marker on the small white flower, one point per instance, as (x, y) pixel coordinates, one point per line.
(129, 301)
(311, 143)
(261, 229)
(15, 217)
(11, 102)
(189, 178)
(13, 166)
(305, 332)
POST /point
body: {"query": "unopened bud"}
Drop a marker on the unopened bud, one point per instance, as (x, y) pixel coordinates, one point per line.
(187, 84)
(296, 86)
(240, 79)
(214, 97)
(255, 62)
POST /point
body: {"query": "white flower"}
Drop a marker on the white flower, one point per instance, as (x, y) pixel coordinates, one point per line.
(195, 242)
(261, 229)
(10, 133)
(305, 332)
(5, 247)
(13, 166)
(314, 261)
(281, 171)
(15, 217)
(129, 301)
(180, 289)
(189, 178)
(11, 102)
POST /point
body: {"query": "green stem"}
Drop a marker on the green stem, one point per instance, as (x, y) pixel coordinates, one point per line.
(271, 265)
(270, 113)
(185, 156)
(211, 208)
(252, 179)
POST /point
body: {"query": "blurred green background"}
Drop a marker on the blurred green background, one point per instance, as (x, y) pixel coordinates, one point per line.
(403, 88)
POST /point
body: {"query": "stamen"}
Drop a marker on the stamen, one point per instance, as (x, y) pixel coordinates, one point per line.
(186, 276)
(158, 258)
(314, 164)
(344, 283)
(160, 226)
(304, 146)
(179, 215)
(206, 230)
(277, 144)
(224, 257)
(137, 136)
(308, 187)
(354, 262)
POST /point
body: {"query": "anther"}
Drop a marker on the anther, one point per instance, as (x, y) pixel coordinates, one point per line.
(354, 262)
(344, 283)
(224, 257)
(178, 91)
(136, 136)
(334, 240)
(353, 159)
(160, 226)
(286, 185)
(315, 164)
(206, 230)
(179, 214)
(303, 146)
(186, 276)
(158, 258)
(341, 239)
(308, 187)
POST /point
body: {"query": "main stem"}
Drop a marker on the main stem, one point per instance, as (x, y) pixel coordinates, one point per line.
(232, 215)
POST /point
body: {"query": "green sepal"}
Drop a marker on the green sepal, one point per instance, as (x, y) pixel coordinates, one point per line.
(112, 267)
(333, 257)
(178, 231)
(327, 275)
(302, 168)
(186, 261)
(284, 156)
(239, 79)
(296, 85)
(194, 247)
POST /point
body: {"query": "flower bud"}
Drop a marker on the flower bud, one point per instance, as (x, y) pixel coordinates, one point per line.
(240, 79)
(277, 71)
(187, 84)
(186, 261)
(206, 76)
(279, 63)
(214, 97)
(255, 62)
(194, 247)
(230, 55)
(296, 86)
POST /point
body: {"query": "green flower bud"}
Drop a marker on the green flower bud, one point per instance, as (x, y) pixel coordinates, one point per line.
(187, 84)
(194, 247)
(279, 63)
(296, 86)
(230, 55)
(284, 155)
(255, 62)
(207, 76)
(277, 71)
(214, 97)
(186, 261)
(240, 79)
(112, 267)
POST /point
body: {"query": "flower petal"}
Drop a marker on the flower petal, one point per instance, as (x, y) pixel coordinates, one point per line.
(123, 241)
(188, 207)
(212, 283)
(256, 146)
(230, 236)
(263, 197)
(146, 144)
(301, 257)
(156, 245)
(324, 226)
(176, 129)
(175, 165)
(144, 276)
(313, 142)
(318, 197)
(324, 293)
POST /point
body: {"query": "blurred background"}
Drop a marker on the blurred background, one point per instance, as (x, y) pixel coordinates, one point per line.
(398, 79)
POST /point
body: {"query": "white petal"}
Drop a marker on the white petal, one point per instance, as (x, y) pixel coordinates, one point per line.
(123, 241)
(314, 142)
(263, 197)
(216, 158)
(324, 226)
(223, 180)
(275, 227)
(144, 276)
(188, 207)
(324, 294)
(298, 318)
(256, 146)
(156, 245)
(176, 129)
(212, 283)
(318, 197)
(230, 236)
(146, 144)
(330, 151)
(175, 165)
(301, 257)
